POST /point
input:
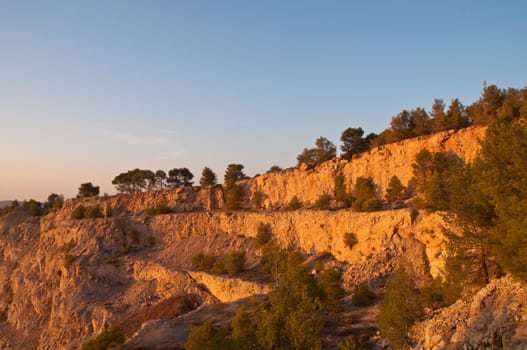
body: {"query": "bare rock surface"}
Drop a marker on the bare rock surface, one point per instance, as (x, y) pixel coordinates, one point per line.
(495, 318)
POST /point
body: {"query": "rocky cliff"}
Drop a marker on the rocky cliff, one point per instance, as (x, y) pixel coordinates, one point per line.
(278, 188)
(495, 318)
(379, 164)
(64, 280)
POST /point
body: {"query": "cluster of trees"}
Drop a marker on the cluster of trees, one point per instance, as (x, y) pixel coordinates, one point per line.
(324, 150)
(362, 198)
(139, 180)
(231, 263)
(36, 208)
(419, 122)
(87, 189)
(88, 212)
(487, 199)
(291, 317)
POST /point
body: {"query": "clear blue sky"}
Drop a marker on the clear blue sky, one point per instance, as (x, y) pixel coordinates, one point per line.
(89, 89)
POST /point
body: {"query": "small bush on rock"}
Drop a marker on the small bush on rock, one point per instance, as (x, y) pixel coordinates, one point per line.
(294, 204)
(323, 202)
(78, 212)
(93, 212)
(160, 208)
(203, 261)
(363, 296)
(263, 234)
(107, 338)
(350, 239)
(207, 337)
(350, 344)
(232, 263)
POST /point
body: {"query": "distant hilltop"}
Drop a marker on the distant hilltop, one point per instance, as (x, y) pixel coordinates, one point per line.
(4, 204)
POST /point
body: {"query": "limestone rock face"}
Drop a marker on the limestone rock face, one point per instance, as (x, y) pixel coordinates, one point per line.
(384, 235)
(121, 265)
(380, 164)
(495, 318)
(227, 289)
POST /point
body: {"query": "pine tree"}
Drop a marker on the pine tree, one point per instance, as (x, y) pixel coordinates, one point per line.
(395, 191)
(353, 142)
(399, 310)
(420, 122)
(180, 177)
(325, 150)
(501, 169)
(208, 177)
(456, 115)
(439, 116)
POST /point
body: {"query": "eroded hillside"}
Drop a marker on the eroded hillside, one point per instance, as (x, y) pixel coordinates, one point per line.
(64, 280)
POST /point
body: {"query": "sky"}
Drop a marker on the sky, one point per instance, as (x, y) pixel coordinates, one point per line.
(90, 89)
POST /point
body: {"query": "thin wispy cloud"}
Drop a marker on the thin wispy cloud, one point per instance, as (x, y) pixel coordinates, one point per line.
(178, 154)
(132, 138)
(141, 140)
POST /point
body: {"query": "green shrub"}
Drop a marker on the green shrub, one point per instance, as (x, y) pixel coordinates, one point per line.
(350, 344)
(293, 317)
(161, 207)
(107, 338)
(257, 199)
(439, 294)
(203, 261)
(68, 260)
(323, 202)
(78, 212)
(366, 197)
(232, 196)
(93, 212)
(263, 234)
(34, 208)
(350, 239)
(207, 337)
(363, 296)
(234, 262)
(341, 194)
(395, 191)
(399, 310)
(244, 327)
(273, 259)
(371, 204)
(219, 267)
(330, 283)
(294, 204)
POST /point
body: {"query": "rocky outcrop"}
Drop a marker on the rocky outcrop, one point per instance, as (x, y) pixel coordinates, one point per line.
(228, 289)
(66, 279)
(278, 188)
(495, 318)
(384, 235)
(379, 164)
